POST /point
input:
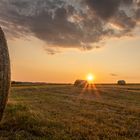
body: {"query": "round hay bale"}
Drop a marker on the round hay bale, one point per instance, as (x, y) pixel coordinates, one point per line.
(81, 83)
(4, 72)
(121, 82)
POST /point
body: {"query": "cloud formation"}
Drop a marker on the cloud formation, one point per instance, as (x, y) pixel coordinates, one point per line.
(113, 74)
(69, 23)
(107, 8)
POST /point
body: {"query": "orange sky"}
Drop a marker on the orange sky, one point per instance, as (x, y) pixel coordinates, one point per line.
(118, 59)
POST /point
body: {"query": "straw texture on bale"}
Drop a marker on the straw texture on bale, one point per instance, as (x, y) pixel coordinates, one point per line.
(4, 73)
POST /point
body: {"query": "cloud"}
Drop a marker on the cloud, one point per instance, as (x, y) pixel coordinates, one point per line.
(113, 74)
(51, 51)
(138, 14)
(124, 23)
(106, 8)
(79, 24)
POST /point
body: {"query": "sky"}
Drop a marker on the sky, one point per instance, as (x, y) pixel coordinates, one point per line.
(64, 40)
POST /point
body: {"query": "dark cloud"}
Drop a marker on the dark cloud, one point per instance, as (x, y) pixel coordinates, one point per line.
(138, 14)
(20, 4)
(124, 22)
(106, 8)
(67, 24)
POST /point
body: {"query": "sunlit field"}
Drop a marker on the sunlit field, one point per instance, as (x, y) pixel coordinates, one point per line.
(56, 112)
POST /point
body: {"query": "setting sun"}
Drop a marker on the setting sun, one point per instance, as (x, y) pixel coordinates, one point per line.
(90, 78)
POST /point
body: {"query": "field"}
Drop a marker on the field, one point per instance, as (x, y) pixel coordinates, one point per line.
(64, 112)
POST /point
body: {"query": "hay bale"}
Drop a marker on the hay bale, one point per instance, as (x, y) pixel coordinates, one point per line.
(4, 73)
(121, 82)
(81, 83)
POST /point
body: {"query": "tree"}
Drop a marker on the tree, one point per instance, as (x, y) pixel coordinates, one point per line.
(5, 75)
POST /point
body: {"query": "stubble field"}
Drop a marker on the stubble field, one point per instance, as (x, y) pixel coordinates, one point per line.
(64, 112)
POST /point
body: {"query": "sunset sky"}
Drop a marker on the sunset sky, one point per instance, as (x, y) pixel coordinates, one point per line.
(64, 40)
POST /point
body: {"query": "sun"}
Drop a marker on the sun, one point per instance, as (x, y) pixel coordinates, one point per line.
(90, 78)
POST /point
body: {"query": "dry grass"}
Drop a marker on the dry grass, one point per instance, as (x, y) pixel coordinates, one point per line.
(47, 112)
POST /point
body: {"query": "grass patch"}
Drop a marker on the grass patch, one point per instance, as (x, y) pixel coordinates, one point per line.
(57, 112)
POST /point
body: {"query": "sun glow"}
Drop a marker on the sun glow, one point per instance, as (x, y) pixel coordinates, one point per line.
(90, 78)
